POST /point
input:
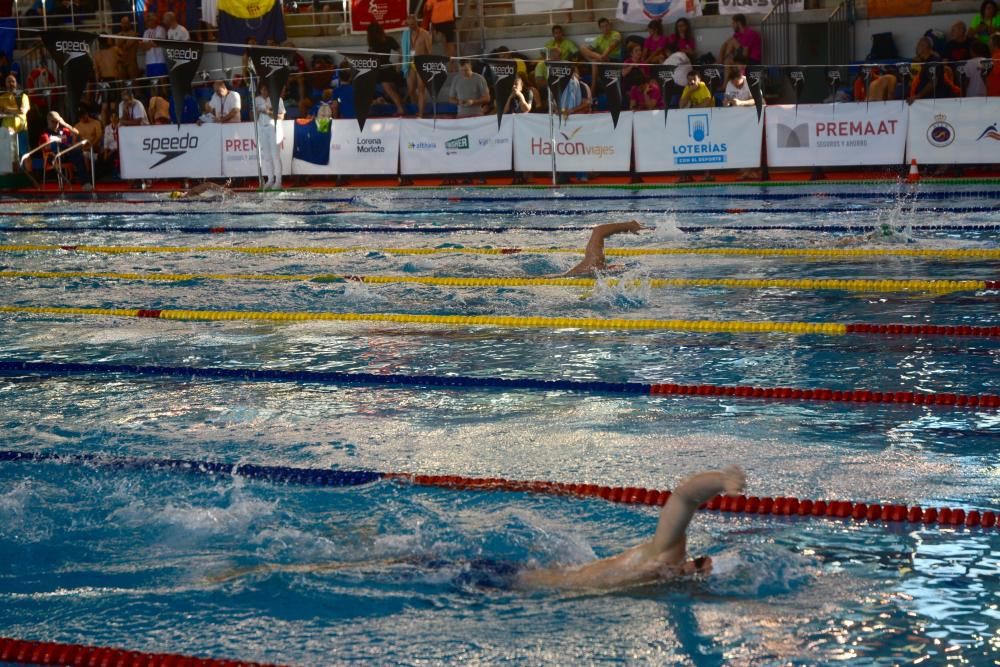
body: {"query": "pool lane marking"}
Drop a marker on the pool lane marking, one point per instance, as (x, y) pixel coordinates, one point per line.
(55, 653)
(15, 367)
(812, 253)
(778, 506)
(517, 322)
(938, 286)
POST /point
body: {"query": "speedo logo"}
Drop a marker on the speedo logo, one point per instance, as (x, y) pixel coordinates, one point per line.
(434, 66)
(560, 70)
(503, 70)
(72, 47)
(274, 62)
(363, 64)
(169, 147)
(185, 55)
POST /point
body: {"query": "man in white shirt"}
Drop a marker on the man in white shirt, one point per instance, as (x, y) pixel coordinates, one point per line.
(156, 62)
(175, 30)
(225, 104)
(270, 135)
(130, 110)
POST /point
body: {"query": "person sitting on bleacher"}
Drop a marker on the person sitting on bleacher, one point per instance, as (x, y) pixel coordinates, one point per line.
(933, 80)
(606, 48)
(576, 96)
(655, 47)
(682, 40)
(567, 48)
(696, 94)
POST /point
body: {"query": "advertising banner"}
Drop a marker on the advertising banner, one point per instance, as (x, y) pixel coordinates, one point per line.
(239, 150)
(583, 142)
(836, 135)
(351, 151)
(170, 151)
(390, 14)
(756, 6)
(668, 11)
(541, 6)
(456, 145)
(697, 139)
(954, 131)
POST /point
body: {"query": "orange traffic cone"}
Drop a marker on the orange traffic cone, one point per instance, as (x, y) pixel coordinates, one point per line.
(914, 174)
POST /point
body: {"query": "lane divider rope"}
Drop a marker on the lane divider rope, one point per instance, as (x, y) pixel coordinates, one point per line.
(812, 253)
(55, 653)
(15, 367)
(400, 229)
(940, 286)
(777, 506)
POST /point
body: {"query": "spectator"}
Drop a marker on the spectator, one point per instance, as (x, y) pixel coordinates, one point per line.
(696, 93)
(175, 31)
(109, 65)
(296, 77)
(469, 91)
(269, 130)
(542, 68)
(986, 22)
(109, 145)
(993, 80)
(341, 99)
(634, 72)
(130, 110)
(321, 74)
(881, 87)
(522, 96)
(90, 129)
(14, 107)
(934, 79)
(207, 115)
(959, 46)
(682, 65)
(654, 48)
(738, 88)
(388, 76)
(251, 42)
(567, 48)
(60, 135)
(421, 44)
(225, 103)
(607, 46)
(745, 42)
(156, 63)
(576, 96)
(443, 22)
(505, 53)
(646, 96)
(683, 40)
(129, 48)
(158, 109)
(8, 67)
(975, 84)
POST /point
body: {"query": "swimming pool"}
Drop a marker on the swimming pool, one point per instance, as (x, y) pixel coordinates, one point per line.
(161, 560)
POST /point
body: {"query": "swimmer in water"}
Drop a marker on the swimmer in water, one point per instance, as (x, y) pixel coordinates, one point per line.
(593, 258)
(208, 189)
(660, 559)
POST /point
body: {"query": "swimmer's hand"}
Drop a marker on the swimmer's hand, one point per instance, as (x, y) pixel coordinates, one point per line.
(734, 480)
(633, 227)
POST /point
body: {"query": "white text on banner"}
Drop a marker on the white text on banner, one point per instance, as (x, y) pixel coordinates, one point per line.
(836, 135)
(239, 150)
(583, 142)
(697, 139)
(349, 150)
(455, 145)
(954, 131)
(756, 6)
(169, 151)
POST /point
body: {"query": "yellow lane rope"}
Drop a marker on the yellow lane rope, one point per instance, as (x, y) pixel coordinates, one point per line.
(703, 326)
(939, 286)
(824, 253)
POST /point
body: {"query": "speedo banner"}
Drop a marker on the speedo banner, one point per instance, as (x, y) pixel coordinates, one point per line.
(349, 150)
(697, 139)
(954, 131)
(583, 142)
(456, 145)
(170, 151)
(239, 150)
(836, 135)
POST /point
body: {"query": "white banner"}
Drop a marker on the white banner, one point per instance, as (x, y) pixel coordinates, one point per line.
(456, 145)
(583, 142)
(349, 151)
(668, 11)
(849, 134)
(169, 151)
(541, 6)
(756, 6)
(239, 150)
(954, 131)
(697, 139)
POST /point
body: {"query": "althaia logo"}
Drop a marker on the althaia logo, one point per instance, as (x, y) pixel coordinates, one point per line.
(73, 48)
(169, 147)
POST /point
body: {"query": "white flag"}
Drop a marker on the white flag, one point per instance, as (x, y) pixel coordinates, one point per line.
(668, 11)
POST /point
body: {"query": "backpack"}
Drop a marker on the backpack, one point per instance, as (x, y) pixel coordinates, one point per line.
(883, 47)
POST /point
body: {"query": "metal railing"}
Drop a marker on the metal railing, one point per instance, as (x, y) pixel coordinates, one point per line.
(776, 33)
(840, 33)
(58, 158)
(27, 156)
(57, 162)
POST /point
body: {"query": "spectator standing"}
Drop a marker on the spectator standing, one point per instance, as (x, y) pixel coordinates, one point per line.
(158, 109)
(14, 108)
(421, 44)
(986, 22)
(109, 65)
(131, 111)
(443, 22)
(567, 48)
(469, 91)
(654, 48)
(109, 145)
(388, 76)
(745, 42)
(683, 40)
(89, 128)
(129, 47)
(225, 103)
(156, 62)
(175, 31)
(269, 129)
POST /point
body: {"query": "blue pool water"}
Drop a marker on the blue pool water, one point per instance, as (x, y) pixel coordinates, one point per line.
(166, 561)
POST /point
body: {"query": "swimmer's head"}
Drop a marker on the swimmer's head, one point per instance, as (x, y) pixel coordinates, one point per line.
(176, 194)
(700, 566)
(885, 229)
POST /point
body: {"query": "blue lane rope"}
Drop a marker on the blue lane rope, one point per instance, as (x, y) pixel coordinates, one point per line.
(51, 368)
(280, 474)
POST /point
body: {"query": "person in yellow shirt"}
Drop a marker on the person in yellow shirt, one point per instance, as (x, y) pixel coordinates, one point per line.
(14, 106)
(696, 94)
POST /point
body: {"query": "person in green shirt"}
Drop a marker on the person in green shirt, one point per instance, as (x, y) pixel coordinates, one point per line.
(986, 22)
(607, 46)
(566, 46)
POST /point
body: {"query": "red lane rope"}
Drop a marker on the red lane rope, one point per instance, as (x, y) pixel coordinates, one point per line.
(845, 395)
(54, 653)
(780, 506)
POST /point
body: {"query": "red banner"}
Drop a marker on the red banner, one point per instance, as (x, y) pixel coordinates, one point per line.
(390, 14)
